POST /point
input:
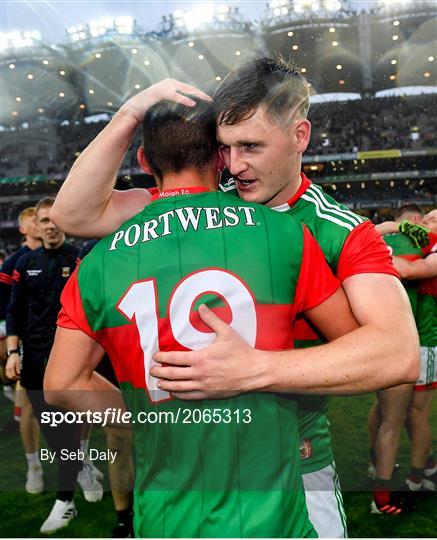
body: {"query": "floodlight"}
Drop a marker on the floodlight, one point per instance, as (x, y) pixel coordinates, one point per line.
(202, 14)
(124, 25)
(18, 39)
(332, 5)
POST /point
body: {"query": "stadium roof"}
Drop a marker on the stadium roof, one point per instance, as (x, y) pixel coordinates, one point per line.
(104, 62)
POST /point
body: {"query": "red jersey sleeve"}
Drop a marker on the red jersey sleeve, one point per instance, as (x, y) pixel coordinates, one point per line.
(364, 252)
(72, 314)
(316, 281)
(432, 246)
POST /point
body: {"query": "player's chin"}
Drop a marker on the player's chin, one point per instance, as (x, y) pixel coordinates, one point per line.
(253, 196)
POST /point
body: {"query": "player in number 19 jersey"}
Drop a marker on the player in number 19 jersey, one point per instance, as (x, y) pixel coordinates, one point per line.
(236, 473)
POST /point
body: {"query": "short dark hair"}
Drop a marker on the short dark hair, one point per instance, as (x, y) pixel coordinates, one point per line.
(176, 137)
(45, 202)
(412, 207)
(271, 82)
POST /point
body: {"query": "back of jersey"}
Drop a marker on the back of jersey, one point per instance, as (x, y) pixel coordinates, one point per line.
(224, 467)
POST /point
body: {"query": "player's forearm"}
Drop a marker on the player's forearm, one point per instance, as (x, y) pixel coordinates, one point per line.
(70, 380)
(387, 227)
(93, 393)
(364, 360)
(418, 269)
(87, 190)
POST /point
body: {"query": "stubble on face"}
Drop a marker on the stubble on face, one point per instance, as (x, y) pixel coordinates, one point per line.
(260, 154)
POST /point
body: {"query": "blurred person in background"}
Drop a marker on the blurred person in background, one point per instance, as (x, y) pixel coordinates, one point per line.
(423, 472)
(29, 429)
(388, 414)
(39, 277)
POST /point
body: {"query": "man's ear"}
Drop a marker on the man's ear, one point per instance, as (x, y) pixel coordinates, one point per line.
(302, 132)
(220, 161)
(142, 161)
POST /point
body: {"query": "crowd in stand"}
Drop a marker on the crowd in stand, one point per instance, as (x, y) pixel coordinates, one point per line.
(373, 124)
(338, 127)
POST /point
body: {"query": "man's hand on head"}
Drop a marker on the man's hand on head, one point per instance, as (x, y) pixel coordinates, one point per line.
(170, 89)
(226, 368)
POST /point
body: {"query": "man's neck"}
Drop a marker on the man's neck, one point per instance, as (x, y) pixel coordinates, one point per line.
(32, 243)
(46, 245)
(287, 193)
(190, 178)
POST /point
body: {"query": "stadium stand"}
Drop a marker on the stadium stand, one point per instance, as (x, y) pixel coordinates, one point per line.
(373, 138)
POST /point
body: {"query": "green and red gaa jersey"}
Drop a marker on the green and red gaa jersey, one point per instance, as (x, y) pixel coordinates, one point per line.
(432, 244)
(351, 245)
(400, 245)
(427, 312)
(214, 468)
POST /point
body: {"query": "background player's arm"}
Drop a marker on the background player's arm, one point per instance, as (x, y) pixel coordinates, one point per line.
(12, 369)
(87, 204)
(6, 282)
(70, 380)
(16, 314)
(417, 269)
(387, 227)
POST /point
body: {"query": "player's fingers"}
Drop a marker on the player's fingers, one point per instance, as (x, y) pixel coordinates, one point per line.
(175, 358)
(211, 319)
(12, 375)
(183, 100)
(172, 373)
(188, 89)
(178, 386)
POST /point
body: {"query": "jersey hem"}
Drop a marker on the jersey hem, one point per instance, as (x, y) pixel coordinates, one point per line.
(314, 466)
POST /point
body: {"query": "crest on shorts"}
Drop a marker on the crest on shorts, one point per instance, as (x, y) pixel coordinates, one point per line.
(66, 271)
(305, 449)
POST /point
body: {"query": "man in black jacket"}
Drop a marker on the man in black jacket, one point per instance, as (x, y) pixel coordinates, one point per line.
(39, 278)
(22, 411)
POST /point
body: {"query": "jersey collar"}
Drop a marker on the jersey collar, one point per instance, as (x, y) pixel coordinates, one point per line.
(174, 192)
(304, 185)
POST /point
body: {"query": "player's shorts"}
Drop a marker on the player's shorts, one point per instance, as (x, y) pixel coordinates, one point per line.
(325, 502)
(428, 369)
(2, 329)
